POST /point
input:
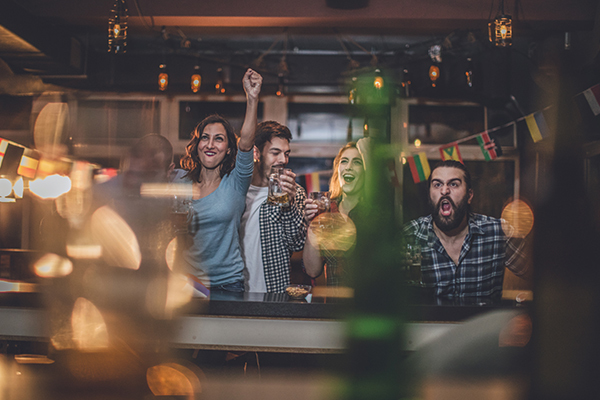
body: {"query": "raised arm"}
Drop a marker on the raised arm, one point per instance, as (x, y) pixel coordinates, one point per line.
(252, 83)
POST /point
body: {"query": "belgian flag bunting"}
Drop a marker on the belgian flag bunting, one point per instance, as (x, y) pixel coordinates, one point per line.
(488, 154)
(537, 126)
(28, 164)
(419, 167)
(451, 152)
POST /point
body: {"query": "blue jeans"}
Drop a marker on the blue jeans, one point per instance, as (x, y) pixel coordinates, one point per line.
(230, 287)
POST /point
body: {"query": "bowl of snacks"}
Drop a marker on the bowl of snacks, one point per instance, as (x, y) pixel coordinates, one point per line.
(297, 291)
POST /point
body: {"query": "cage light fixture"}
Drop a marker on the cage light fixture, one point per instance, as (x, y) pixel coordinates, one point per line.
(196, 79)
(500, 29)
(469, 72)
(353, 93)
(434, 74)
(378, 81)
(406, 82)
(219, 88)
(117, 28)
(163, 77)
(280, 86)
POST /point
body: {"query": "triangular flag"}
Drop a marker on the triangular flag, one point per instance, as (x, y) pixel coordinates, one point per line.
(537, 126)
(592, 95)
(483, 140)
(28, 164)
(451, 152)
(419, 167)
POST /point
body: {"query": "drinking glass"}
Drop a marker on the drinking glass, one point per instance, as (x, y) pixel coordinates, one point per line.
(277, 196)
(181, 207)
(322, 201)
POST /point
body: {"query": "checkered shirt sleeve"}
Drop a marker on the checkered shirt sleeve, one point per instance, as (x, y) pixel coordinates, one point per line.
(282, 231)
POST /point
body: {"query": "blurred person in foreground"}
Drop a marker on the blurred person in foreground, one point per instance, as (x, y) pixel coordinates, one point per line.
(148, 161)
(269, 233)
(463, 254)
(220, 172)
(330, 243)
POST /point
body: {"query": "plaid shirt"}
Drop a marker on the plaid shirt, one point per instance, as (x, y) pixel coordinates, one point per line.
(282, 231)
(486, 250)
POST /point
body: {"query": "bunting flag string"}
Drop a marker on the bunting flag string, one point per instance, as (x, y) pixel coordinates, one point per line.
(419, 167)
(592, 95)
(451, 152)
(489, 153)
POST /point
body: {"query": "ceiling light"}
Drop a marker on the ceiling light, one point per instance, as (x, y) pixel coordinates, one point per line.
(196, 79)
(117, 28)
(163, 77)
(500, 29)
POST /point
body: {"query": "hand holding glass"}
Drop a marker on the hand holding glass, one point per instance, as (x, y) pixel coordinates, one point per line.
(277, 195)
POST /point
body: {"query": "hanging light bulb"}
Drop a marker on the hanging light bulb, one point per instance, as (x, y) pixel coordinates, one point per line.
(196, 79)
(117, 28)
(500, 29)
(349, 131)
(280, 86)
(163, 77)
(219, 88)
(366, 127)
(406, 83)
(469, 72)
(434, 74)
(353, 94)
(378, 81)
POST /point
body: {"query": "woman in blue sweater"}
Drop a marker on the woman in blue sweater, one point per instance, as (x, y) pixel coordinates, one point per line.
(220, 173)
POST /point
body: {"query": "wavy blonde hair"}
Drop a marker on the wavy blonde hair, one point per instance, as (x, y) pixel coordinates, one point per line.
(335, 190)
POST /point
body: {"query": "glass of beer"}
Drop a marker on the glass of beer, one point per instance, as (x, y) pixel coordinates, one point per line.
(181, 207)
(321, 199)
(277, 196)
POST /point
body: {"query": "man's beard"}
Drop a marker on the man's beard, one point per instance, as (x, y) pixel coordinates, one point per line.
(453, 221)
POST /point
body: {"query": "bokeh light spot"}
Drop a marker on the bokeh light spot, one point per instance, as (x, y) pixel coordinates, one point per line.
(120, 247)
(332, 232)
(172, 379)
(53, 266)
(50, 187)
(89, 328)
(519, 216)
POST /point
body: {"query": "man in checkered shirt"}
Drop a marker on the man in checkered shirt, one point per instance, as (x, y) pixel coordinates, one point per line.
(269, 234)
(463, 253)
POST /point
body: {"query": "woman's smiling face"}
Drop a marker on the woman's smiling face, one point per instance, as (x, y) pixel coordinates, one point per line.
(351, 172)
(213, 145)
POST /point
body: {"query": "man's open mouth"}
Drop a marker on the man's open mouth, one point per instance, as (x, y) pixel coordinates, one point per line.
(445, 207)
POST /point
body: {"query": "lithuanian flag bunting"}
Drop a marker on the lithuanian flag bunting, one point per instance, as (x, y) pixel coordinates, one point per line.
(451, 152)
(419, 167)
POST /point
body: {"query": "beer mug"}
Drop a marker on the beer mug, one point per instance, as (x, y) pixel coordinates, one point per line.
(322, 201)
(277, 196)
